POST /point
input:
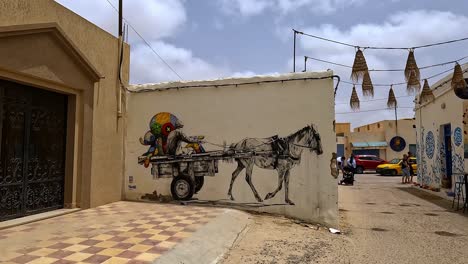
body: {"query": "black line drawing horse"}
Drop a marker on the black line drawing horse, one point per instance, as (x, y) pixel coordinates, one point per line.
(280, 154)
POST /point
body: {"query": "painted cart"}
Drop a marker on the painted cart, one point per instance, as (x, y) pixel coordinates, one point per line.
(188, 170)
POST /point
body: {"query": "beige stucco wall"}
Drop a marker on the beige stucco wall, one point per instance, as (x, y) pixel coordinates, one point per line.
(345, 129)
(430, 117)
(101, 161)
(232, 113)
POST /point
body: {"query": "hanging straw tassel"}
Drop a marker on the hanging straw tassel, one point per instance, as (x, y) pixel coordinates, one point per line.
(426, 94)
(359, 66)
(412, 74)
(458, 81)
(392, 102)
(367, 87)
(411, 66)
(413, 85)
(354, 102)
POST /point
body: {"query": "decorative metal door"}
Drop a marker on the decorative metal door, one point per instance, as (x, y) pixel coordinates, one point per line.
(32, 160)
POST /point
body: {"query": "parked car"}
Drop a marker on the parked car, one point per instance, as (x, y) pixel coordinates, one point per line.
(367, 162)
(394, 167)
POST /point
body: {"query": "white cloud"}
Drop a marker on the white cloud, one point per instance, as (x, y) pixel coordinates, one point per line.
(244, 7)
(146, 68)
(403, 29)
(154, 19)
(255, 7)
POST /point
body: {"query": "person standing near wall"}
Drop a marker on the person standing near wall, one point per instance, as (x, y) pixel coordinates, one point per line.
(405, 169)
(411, 171)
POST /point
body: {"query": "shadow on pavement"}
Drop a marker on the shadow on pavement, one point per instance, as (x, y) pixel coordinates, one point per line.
(439, 201)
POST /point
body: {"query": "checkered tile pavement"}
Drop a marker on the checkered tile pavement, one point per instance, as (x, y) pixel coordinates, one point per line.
(122, 232)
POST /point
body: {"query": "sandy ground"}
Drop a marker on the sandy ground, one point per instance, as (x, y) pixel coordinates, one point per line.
(382, 222)
(275, 239)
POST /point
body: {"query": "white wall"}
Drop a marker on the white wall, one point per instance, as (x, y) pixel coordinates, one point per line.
(445, 109)
(232, 113)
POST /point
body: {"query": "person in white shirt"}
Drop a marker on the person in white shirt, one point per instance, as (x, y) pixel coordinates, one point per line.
(341, 161)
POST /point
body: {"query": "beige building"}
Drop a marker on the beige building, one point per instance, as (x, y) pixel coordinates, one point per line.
(441, 134)
(62, 131)
(376, 139)
(343, 131)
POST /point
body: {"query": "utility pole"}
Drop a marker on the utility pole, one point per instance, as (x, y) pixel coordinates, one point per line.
(294, 51)
(305, 63)
(396, 120)
(120, 58)
(120, 18)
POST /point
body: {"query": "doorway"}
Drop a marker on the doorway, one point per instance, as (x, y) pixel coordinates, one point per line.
(447, 137)
(32, 161)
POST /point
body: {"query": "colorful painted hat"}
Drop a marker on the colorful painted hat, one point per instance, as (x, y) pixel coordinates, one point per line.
(163, 123)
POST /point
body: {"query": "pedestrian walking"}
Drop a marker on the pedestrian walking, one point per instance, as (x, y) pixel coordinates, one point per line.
(405, 170)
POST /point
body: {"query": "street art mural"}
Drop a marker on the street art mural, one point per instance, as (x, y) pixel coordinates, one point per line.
(430, 145)
(274, 153)
(457, 137)
(189, 164)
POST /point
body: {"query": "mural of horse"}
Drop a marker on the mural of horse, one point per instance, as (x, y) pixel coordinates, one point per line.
(280, 154)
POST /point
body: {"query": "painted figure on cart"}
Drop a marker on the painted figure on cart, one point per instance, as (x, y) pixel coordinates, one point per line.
(165, 137)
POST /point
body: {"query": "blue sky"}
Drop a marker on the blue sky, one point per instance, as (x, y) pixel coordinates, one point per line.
(206, 39)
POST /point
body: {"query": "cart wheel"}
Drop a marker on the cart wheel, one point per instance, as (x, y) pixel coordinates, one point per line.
(199, 180)
(182, 188)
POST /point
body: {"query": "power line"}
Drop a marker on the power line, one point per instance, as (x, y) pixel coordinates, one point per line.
(388, 70)
(374, 110)
(146, 42)
(378, 99)
(400, 83)
(381, 48)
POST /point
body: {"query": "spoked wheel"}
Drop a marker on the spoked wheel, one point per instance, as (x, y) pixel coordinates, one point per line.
(199, 181)
(182, 188)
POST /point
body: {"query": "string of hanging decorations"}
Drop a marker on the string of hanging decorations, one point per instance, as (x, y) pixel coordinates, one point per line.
(360, 72)
(387, 70)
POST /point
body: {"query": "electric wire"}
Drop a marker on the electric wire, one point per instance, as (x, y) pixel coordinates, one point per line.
(374, 110)
(147, 43)
(380, 48)
(387, 70)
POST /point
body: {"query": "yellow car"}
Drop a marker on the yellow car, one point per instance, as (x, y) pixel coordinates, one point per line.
(394, 167)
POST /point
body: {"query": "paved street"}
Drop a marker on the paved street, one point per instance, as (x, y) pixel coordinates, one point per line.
(122, 232)
(382, 221)
(392, 223)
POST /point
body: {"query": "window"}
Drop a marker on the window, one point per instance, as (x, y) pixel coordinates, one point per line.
(378, 125)
(368, 127)
(340, 134)
(358, 130)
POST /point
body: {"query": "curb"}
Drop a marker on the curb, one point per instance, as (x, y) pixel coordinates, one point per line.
(211, 242)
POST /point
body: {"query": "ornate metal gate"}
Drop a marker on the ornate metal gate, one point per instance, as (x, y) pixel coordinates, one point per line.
(32, 160)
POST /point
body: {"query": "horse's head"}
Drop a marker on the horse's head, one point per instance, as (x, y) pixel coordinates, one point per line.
(314, 142)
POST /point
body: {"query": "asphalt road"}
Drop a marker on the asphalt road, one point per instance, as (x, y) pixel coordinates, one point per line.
(388, 222)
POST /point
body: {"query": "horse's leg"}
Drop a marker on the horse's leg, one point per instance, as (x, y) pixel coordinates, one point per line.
(286, 188)
(248, 178)
(236, 172)
(280, 185)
